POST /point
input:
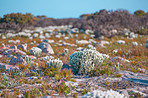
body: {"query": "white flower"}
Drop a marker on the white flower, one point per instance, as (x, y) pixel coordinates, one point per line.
(103, 94)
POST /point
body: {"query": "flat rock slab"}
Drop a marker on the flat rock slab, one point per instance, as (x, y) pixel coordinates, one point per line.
(135, 77)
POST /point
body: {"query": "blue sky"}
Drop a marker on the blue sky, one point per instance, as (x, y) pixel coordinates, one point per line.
(68, 8)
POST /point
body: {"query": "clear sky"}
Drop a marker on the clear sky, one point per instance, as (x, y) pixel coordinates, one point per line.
(68, 8)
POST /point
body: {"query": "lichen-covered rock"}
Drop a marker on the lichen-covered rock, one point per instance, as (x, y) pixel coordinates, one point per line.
(48, 41)
(3, 37)
(102, 37)
(42, 37)
(84, 61)
(14, 41)
(47, 35)
(46, 48)
(146, 45)
(22, 46)
(30, 38)
(89, 31)
(115, 51)
(23, 34)
(58, 36)
(70, 83)
(91, 47)
(92, 41)
(17, 60)
(35, 35)
(1, 56)
(82, 42)
(147, 41)
(102, 43)
(135, 43)
(103, 94)
(66, 38)
(35, 51)
(13, 47)
(121, 42)
(117, 58)
(9, 35)
(92, 36)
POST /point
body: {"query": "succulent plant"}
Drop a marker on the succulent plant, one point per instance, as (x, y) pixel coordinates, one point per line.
(4, 77)
(82, 62)
(28, 60)
(65, 52)
(19, 74)
(70, 35)
(62, 88)
(56, 63)
(27, 94)
(39, 93)
(117, 68)
(5, 82)
(35, 66)
(2, 86)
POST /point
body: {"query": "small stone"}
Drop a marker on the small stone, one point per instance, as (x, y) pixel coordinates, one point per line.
(46, 48)
(121, 42)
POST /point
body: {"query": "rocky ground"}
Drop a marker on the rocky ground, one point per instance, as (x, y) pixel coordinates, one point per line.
(59, 61)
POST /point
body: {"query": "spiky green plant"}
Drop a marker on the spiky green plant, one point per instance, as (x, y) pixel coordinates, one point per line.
(56, 63)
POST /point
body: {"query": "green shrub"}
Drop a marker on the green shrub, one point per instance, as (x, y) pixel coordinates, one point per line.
(143, 31)
(82, 62)
(139, 13)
